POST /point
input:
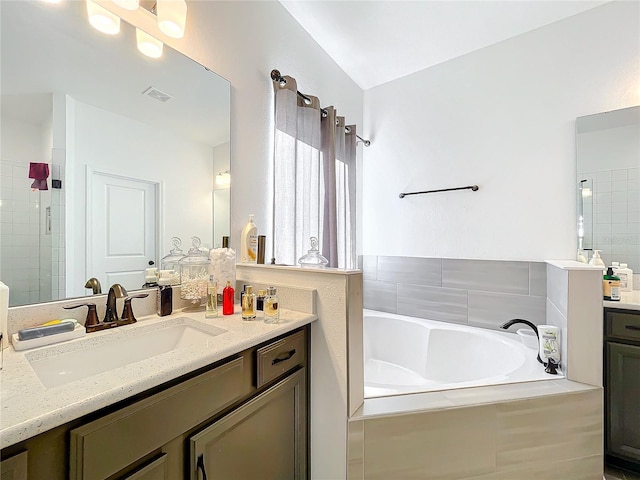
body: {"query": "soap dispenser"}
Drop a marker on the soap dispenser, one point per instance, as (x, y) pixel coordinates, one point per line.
(596, 261)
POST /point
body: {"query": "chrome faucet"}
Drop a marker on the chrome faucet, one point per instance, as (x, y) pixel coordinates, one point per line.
(513, 321)
(116, 291)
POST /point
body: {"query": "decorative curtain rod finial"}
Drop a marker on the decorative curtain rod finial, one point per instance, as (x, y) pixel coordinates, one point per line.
(276, 77)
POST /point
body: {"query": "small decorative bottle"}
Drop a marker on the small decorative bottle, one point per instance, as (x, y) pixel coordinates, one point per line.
(227, 299)
(271, 310)
(165, 297)
(212, 298)
(260, 304)
(249, 304)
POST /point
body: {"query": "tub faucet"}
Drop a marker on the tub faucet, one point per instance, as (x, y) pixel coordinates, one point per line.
(116, 291)
(513, 321)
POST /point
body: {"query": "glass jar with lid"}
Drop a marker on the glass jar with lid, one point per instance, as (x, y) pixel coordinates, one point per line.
(313, 258)
(194, 275)
(169, 264)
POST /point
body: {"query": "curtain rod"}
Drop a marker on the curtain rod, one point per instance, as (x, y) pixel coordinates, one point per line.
(473, 188)
(276, 77)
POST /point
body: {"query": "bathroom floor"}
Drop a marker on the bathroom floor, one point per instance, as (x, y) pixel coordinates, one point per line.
(613, 473)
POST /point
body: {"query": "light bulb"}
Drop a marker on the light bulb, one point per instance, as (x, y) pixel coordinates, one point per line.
(223, 179)
(172, 16)
(128, 4)
(102, 19)
(148, 45)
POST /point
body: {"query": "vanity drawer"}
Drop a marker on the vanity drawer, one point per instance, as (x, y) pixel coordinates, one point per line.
(623, 325)
(279, 357)
(105, 446)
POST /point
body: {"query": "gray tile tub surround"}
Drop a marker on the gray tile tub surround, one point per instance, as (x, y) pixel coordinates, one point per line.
(483, 293)
(486, 275)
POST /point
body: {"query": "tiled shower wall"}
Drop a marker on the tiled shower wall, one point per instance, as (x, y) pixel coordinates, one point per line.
(612, 215)
(481, 293)
(31, 255)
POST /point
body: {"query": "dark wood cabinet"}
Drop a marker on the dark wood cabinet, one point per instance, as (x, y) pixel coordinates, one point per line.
(622, 388)
(245, 417)
(264, 438)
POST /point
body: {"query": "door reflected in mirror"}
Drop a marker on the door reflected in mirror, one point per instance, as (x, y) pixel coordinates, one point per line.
(132, 145)
(608, 167)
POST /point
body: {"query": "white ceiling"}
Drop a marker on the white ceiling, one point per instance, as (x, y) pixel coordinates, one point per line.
(375, 42)
(48, 48)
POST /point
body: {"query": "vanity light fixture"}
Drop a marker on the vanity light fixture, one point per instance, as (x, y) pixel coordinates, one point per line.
(128, 4)
(102, 19)
(148, 45)
(223, 179)
(172, 17)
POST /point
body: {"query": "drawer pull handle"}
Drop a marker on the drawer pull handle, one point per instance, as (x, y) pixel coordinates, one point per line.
(632, 327)
(283, 357)
(200, 466)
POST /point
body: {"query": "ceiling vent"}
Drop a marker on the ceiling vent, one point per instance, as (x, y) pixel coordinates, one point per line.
(157, 94)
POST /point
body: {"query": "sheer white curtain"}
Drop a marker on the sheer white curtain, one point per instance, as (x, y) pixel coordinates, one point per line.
(314, 179)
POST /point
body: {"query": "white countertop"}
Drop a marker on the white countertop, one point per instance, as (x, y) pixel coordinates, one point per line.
(28, 408)
(628, 301)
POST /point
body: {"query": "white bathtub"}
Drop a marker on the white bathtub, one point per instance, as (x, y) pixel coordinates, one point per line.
(407, 355)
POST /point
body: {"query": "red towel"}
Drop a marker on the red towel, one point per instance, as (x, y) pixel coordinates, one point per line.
(39, 172)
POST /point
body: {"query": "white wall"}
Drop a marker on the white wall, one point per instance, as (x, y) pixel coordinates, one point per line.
(243, 42)
(504, 118)
(114, 144)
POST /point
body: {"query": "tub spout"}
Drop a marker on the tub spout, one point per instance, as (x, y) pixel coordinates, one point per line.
(514, 321)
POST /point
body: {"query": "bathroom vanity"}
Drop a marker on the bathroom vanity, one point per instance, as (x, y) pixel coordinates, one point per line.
(622, 383)
(242, 414)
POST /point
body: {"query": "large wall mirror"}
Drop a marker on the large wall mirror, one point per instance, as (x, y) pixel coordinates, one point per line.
(608, 151)
(133, 145)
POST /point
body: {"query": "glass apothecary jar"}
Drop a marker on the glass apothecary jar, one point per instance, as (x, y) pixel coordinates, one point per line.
(170, 263)
(313, 258)
(194, 275)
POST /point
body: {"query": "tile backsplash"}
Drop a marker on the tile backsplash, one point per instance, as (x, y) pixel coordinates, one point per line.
(481, 293)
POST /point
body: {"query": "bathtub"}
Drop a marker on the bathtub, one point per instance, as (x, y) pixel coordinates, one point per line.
(409, 355)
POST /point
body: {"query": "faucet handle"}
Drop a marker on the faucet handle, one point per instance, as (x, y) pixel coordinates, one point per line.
(127, 311)
(92, 314)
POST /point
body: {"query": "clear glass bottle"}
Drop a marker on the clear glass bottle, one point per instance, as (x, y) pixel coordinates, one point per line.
(271, 306)
(248, 304)
(212, 298)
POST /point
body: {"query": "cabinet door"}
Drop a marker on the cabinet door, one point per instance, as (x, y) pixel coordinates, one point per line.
(121, 439)
(262, 439)
(14, 468)
(623, 433)
(156, 470)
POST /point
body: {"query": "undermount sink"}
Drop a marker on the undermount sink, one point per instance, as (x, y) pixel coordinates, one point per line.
(90, 356)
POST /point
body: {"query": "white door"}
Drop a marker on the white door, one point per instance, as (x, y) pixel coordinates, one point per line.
(122, 233)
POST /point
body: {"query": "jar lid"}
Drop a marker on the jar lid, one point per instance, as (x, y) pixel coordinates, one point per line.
(313, 258)
(175, 254)
(195, 256)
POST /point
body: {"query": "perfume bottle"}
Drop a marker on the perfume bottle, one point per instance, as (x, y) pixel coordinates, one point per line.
(212, 298)
(227, 299)
(271, 310)
(249, 304)
(260, 304)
